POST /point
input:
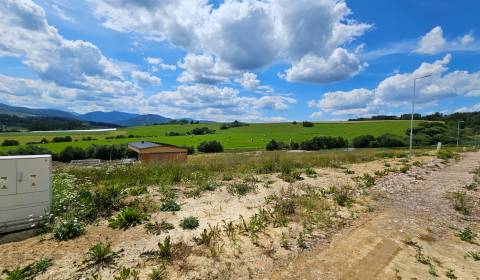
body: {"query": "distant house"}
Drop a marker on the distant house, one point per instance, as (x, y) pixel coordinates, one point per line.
(149, 151)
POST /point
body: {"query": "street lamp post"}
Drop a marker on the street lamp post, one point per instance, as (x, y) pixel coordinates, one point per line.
(411, 116)
(458, 132)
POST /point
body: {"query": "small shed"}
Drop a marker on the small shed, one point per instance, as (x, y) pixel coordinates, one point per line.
(150, 151)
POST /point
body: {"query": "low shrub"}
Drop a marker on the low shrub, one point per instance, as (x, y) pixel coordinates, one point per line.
(307, 124)
(71, 153)
(210, 147)
(10, 142)
(363, 141)
(128, 217)
(68, 228)
(467, 235)
(60, 139)
(189, 223)
(170, 205)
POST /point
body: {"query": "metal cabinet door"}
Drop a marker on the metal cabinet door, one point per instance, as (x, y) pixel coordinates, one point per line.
(33, 175)
(8, 177)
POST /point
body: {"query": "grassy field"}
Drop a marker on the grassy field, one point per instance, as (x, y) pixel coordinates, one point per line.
(254, 136)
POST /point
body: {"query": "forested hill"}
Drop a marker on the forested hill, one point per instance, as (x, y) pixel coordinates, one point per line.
(12, 122)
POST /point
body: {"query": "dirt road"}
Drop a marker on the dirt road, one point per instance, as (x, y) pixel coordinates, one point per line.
(412, 207)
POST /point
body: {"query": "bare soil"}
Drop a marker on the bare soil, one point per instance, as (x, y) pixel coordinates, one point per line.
(366, 242)
(413, 206)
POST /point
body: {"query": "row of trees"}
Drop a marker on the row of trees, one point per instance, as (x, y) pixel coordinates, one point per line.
(316, 143)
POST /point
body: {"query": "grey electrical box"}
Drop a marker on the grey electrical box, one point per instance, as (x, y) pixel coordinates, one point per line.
(25, 191)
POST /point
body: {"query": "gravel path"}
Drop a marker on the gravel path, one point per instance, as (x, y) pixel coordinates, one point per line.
(412, 206)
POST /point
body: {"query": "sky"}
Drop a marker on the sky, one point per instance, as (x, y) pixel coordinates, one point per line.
(255, 61)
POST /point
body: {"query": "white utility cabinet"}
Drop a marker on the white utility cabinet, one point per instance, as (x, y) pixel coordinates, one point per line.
(25, 192)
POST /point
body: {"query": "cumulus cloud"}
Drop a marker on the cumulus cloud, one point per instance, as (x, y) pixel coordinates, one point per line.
(311, 68)
(145, 77)
(68, 63)
(205, 69)
(204, 101)
(245, 35)
(396, 90)
(434, 42)
(47, 94)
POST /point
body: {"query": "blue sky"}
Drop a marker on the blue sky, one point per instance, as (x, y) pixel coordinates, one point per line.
(248, 60)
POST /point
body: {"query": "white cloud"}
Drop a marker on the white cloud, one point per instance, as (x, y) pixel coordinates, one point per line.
(434, 42)
(249, 81)
(60, 12)
(245, 35)
(205, 69)
(473, 108)
(158, 62)
(68, 63)
(340, 65)
(145, 77)
(396, 91)
(203, 101)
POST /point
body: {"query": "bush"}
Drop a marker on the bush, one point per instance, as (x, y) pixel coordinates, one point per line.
(68, 228)
(210, 147)
(59, 139)
(30, 150)
(170, 205)
(10, 142)
(107, 152)
(202, 131)
(272, 146)
(389, 140)
(189, 223)
(363, 141)
(128, 217)
(71, 153)
(307, 124)
(323, 142)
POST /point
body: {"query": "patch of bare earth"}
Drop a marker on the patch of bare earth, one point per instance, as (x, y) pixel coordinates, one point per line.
(357, 242)
(414, 234)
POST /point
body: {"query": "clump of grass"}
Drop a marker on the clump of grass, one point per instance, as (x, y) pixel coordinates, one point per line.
(450, 274)
(301, 241)
(310, 172)
(169, 205)
(207, 236)
(30, 271)
(189, 223)
(137, 190)
(471, 187)
(474, 255)
(366, 180)
(446, 154)
(432, 271)
(284, 242)
(159, 273)
(68, 228)
(128, 217)
(127, 273)
(165, 248)
(100, 254)
(342, 195)
(460, 203)
(242, 188)
(157, 228)
(467, 235)
(227, 177)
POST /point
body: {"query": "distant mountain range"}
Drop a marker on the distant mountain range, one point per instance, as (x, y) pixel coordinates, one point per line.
(115, 117)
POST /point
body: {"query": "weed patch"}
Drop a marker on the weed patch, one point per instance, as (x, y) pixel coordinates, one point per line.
(189, 223)
(128, 217)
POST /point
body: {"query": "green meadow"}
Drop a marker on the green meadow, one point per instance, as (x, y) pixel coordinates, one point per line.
(251, 137)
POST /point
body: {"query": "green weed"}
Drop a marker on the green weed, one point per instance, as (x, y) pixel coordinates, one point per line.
(189, 223)
(128, 217)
